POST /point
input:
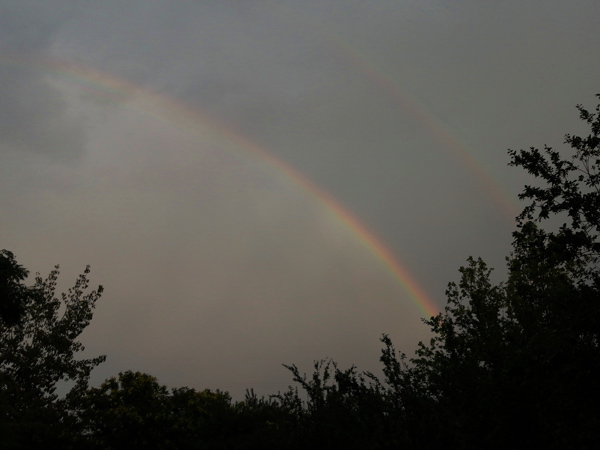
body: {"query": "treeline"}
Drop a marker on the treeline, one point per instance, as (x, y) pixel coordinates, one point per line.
(514, 364)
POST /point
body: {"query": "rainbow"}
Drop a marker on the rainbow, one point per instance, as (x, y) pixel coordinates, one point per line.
(185, 117)
(445, 139)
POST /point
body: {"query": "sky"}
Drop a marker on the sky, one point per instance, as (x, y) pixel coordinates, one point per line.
(258, 183)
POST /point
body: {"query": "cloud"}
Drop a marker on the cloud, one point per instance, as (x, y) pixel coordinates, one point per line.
(33, 115)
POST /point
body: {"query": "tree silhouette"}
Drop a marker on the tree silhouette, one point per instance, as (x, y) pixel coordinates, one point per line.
(518, 363)
(38, 352)
(13, 294)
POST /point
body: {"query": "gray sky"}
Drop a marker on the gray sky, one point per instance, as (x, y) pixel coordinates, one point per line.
(193, 153)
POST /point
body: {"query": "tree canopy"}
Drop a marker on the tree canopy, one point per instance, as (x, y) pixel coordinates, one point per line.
(38, 351)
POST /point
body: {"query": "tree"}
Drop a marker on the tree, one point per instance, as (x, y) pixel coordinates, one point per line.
(201, 419)
(37, 353)
(128, 411)
(344, 408)
(518, 363)
(572, 189)
(133, 410)
(12, 292)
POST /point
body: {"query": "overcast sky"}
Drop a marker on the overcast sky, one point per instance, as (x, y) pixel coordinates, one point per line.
(213, 161)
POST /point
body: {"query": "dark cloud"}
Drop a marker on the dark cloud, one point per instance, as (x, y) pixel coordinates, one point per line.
(30, 26)
(33, 115)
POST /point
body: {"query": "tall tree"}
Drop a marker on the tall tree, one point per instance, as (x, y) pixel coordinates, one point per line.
(517, 363)
(39, 352)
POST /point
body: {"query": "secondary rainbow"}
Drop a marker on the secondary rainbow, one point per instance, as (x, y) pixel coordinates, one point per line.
(341, 47)
(183, 116)
(445, 139)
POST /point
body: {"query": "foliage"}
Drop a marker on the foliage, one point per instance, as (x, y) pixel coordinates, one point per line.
(13, 294)
(126, 412)
(200, 416)
(134, 411)
(519, 361)
(39, 352)
(572, 189)
(344, 408)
